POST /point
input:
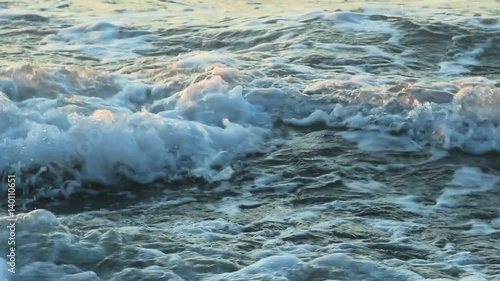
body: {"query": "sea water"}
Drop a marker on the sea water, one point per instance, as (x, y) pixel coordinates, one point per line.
(251, 140)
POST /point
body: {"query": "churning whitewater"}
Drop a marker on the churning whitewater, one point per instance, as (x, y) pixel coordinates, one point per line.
(273, 141)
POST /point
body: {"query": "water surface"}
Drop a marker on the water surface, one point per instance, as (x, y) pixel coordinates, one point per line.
(252, 140)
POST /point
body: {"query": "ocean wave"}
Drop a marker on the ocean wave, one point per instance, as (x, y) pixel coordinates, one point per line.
(67, 127)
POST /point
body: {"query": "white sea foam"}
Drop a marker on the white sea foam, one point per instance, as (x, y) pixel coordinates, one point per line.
(99, 40)
(203, 59)
(481, 228)
(166, 99)
(104, 135)
(282, 267)
(267, 263)
(466, 180)
(468, 122)
(397, 229)
(411, 204)
(377, 142)
(232, 206)
(356, 22)
(464, 60)
(353, 269)
(104, 128)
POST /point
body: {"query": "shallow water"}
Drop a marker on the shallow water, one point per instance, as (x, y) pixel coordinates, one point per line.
(247, 140)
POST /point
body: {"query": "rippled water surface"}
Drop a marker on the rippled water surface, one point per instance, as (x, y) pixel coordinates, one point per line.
(251, 140)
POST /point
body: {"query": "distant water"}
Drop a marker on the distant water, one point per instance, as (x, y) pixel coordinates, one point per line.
(252, 140)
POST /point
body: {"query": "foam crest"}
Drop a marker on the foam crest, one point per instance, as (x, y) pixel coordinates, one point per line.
(72, 126)
(72, 136)
(100, 40)
(469, 180)
(481, 101)
(465, 60)
(203, 59)
(357, 22)
(282, 267)
(407, 120)
(22, 83)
